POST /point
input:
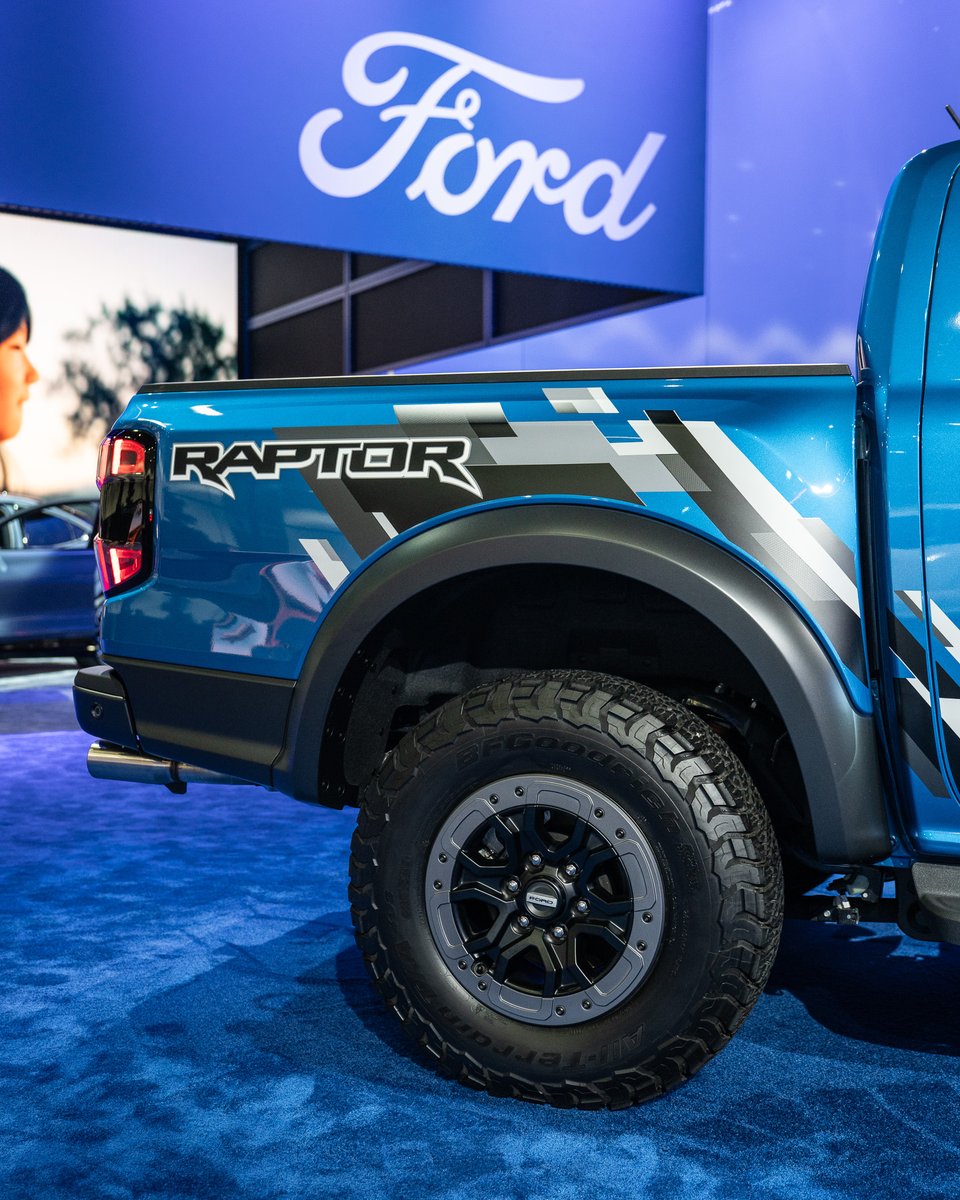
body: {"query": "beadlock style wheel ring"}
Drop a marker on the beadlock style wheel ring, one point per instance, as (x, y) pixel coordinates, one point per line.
(544, 899)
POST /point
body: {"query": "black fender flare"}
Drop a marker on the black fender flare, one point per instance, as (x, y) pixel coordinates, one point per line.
(836, 745)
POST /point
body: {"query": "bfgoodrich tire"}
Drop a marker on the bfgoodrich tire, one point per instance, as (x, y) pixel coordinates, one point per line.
(567, 888)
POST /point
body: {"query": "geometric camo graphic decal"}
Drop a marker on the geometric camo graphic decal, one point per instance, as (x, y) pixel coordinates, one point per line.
(647, 460)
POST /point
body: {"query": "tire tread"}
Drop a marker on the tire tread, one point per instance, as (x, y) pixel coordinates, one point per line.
(736, 834)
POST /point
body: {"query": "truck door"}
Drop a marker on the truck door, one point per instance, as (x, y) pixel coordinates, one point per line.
(940, 495)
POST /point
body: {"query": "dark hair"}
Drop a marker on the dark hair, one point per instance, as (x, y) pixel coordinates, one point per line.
(14, 309)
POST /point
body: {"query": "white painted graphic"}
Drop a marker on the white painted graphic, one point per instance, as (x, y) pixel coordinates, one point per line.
(776, 512)
(566, 400)
(386, 524)
(326, 560)
(948, 634)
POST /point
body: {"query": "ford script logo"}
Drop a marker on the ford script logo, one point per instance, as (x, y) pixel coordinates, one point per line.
(542, 899)
(544, 176)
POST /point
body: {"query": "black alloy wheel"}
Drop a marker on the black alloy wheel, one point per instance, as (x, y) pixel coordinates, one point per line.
(545, 899)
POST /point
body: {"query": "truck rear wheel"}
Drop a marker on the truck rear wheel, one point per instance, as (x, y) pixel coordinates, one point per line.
(567, 888)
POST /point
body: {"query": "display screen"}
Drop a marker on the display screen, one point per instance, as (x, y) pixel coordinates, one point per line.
(109, 310)
(552, 137)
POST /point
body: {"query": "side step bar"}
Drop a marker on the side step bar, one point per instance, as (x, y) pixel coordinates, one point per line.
(932, 911)
(114, 762)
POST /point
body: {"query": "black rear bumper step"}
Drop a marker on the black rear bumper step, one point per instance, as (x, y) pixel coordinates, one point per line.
(102, 709)
(934, 914)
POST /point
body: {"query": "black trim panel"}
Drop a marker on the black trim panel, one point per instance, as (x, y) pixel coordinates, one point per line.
(221, 720)
(101, 706)
(835, 744)
(774, 371)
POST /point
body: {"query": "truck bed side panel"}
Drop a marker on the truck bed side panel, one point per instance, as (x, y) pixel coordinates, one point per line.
(272, 500)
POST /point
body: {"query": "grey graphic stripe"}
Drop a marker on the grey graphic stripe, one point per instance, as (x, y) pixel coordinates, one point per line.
(775, 511)
(948, 635)
(913, 601)
(580, 400)
(557, 444)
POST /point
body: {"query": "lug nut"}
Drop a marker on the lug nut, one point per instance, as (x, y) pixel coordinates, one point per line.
(571, 870)
(513, 886)
(582, 907)
(536, 860)
(559, 932)
(523, 921)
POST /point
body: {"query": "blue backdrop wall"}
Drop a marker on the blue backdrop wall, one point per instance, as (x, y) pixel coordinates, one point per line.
(813, 106)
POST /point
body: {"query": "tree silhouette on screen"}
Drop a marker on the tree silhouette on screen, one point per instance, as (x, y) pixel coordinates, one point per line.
(121, 349)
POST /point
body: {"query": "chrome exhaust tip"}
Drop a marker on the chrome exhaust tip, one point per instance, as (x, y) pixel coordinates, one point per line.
(114, 762)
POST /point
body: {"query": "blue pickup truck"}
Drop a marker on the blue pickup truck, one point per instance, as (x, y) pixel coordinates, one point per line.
(615, 664)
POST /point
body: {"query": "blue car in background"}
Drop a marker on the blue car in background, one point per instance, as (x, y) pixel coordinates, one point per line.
(50, 593)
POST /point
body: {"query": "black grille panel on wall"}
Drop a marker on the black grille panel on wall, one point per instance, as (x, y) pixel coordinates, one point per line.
(311, 311)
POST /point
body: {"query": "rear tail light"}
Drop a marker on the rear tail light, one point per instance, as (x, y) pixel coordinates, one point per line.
(124, 541)
(118, 564)
(120, 456)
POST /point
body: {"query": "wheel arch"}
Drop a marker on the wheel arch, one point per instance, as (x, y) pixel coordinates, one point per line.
(835, 744)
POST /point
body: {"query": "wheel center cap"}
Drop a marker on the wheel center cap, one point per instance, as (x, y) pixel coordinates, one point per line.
(542, 899)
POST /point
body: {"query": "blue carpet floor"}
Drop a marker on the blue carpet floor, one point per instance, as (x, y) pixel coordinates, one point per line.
(183, 1014)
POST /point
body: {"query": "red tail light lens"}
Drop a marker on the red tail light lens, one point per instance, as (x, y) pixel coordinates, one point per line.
(120, 456)
(118, 564)
(124, 542)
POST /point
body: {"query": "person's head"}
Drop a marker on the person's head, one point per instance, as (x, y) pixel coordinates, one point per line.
(16, 370)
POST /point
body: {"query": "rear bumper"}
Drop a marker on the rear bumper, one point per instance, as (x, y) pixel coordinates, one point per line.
(102, 708)
(229, 725)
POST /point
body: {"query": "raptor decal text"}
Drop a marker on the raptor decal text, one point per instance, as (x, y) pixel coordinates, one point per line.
(444, 458)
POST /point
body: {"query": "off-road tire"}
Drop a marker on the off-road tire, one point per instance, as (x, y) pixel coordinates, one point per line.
(719, 903)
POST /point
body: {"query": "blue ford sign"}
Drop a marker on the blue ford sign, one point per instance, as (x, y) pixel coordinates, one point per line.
(561, 138)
